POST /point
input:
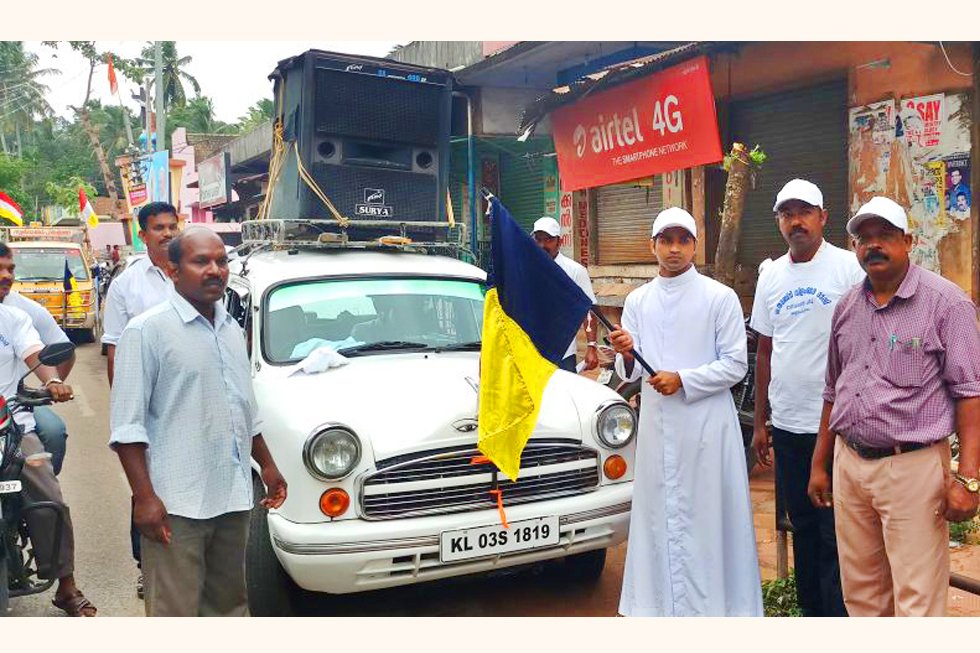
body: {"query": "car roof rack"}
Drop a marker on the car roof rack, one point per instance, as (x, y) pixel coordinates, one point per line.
(325, 234)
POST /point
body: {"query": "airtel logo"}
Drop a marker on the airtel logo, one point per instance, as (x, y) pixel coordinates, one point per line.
(578, 138)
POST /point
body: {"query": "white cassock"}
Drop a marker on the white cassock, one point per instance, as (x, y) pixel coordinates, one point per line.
(692, 544)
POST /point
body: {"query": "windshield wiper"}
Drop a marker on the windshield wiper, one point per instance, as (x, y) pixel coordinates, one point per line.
(386, 345)
(460, 346)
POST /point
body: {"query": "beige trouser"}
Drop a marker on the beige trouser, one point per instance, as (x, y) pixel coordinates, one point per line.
(892, 539)
(54, 560)
(201, 573)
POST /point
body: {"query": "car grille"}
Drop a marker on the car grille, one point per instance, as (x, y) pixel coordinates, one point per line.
(431, 483)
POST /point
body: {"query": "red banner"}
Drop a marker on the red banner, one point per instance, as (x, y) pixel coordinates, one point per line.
(663, 122)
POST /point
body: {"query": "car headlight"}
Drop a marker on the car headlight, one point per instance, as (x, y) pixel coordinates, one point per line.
(332, 454)
(616, 425)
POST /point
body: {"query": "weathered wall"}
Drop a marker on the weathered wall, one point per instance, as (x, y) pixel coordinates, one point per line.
(912, 68)
(916, 171)
(918, 152)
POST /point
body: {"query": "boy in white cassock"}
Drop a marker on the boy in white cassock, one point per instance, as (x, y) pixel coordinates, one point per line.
(691, 548)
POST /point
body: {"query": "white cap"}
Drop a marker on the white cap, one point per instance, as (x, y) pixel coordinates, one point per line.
(548, 225)
(674, 217)
(879, 207)
(799, 189)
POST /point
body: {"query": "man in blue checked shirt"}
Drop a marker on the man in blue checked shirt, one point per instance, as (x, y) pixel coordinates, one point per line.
(185, 425)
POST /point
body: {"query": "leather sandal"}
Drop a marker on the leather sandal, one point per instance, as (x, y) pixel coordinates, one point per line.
(76, 605)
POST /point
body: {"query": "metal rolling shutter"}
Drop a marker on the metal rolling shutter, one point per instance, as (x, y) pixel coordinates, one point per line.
(522, 188)
(624, 215)
(804, 133)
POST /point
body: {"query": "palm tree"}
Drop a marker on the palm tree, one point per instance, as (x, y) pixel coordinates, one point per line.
(22, 94)
(260, 112)
(197, 116)
(174, 74)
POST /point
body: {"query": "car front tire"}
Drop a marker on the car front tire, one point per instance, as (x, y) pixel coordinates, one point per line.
(271, 592)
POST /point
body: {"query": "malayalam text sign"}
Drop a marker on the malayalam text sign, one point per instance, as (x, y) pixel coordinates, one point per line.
(660, 123)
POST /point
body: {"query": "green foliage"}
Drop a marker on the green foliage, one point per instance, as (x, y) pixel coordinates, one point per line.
(959, 530)
(65, 194)
(260, 112)
(779, 597)
(174, 73)
(197, 116)
(756, 158)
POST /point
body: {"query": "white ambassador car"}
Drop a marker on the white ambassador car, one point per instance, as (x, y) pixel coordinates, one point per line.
(385, 487)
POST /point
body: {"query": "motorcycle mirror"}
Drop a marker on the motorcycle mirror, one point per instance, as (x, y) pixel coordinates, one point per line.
(56, 354)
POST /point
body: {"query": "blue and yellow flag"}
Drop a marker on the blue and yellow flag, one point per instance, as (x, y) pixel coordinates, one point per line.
(530, 315)
(71, 287)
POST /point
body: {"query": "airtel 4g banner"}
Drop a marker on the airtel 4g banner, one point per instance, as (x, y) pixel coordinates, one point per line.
(663, 122)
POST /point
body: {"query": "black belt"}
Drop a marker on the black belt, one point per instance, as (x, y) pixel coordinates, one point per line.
(875, 453)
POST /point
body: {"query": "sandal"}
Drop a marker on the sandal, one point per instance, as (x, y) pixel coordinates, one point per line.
(76, 605)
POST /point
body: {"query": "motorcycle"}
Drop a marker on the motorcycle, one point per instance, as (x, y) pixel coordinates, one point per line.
(743, 393)
(18, 565)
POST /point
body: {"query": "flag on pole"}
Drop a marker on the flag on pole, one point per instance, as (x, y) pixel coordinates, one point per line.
(88, 213)
(71, 287)
(530, 314)
(113, 86)
(10, 210)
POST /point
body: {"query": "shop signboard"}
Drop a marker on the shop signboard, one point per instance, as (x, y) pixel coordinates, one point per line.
(660, 123)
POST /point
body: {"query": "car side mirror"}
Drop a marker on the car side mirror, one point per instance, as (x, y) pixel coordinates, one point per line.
(56, 354)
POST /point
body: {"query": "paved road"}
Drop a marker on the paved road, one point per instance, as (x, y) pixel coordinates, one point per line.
(97, 492)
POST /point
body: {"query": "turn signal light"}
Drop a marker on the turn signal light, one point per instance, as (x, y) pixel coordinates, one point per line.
(334, 502)
(614, 467)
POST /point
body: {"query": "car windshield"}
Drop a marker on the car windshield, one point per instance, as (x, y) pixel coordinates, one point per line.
(361, 316)
(48, 263)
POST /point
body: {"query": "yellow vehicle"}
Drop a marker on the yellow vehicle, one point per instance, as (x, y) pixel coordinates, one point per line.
(41, 255)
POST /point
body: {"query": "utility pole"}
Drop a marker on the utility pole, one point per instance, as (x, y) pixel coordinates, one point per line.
(148, 106)
(161, 115)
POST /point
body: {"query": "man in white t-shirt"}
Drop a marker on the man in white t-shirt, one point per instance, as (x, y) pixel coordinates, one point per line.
(19, 348)
(141, 286)
(547, 234)
(794, 304)
(50, 427)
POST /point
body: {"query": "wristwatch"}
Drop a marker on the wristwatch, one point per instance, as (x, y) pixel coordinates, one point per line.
(591, 343)
(972, 485)
(52, 380)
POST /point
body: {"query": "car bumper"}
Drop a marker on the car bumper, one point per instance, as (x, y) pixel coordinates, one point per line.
(358, 555)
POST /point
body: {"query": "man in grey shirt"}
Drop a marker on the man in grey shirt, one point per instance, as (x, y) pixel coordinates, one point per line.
(188, 462)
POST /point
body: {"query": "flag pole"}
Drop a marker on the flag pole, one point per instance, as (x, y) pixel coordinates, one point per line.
(639, 359)
(487, 195)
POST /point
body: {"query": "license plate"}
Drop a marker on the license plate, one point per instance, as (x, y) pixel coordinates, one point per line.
(493, 540)
(604, 377)
(6, 487)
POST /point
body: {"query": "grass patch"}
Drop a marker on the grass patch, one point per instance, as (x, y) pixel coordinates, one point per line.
(959, 530)
(779, 597)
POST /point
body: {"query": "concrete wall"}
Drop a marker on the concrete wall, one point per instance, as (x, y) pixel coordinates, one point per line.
(439, 54)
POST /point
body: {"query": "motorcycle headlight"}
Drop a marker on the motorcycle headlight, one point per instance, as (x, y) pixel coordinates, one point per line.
(616, 425)
(332, 454)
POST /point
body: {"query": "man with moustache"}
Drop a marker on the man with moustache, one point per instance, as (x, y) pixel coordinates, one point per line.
(142, 285)
(692, 543)
(903, 373)
(188, 462)
(547, 234)
(794, 302)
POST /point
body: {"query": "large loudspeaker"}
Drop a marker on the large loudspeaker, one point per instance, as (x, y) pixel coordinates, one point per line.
(373, 134)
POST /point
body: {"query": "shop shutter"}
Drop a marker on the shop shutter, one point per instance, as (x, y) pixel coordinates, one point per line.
(624, 215)
(804, 134)
(522, 188)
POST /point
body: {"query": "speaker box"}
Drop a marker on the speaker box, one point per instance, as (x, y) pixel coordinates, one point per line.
(373, 134)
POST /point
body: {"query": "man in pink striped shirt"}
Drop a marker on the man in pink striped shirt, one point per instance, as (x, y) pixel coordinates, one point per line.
(903, 373)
